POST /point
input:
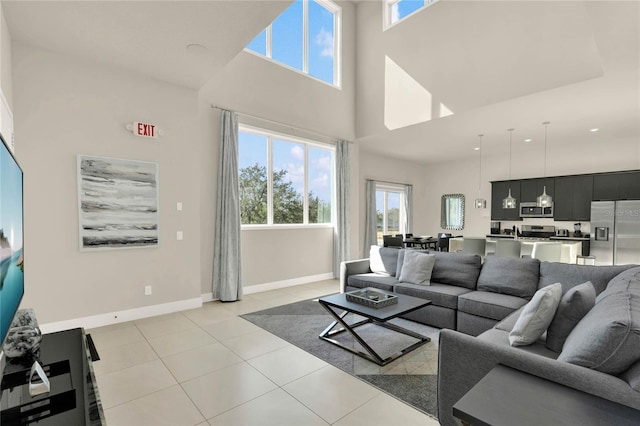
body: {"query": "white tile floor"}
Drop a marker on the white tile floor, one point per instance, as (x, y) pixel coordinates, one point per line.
(208, 366)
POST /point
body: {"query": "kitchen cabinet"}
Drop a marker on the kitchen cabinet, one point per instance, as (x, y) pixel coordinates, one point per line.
(629, 186)
(616, 186)
(572, 198)
(530, 189)
(499, 190)
(606, 187)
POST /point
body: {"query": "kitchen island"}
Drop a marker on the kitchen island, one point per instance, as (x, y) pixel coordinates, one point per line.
(569, 252)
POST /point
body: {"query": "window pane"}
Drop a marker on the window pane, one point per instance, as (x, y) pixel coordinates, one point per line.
(321, 42)
(393, 213)
(286, 36)
(259, 44)
(320, 185)
(252, 164)
(288, 182)
(403, 8)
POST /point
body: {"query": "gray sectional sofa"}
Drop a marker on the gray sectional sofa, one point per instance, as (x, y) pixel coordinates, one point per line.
(477, 305)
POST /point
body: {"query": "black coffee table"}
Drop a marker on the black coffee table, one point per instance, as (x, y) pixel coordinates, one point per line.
(338, 303)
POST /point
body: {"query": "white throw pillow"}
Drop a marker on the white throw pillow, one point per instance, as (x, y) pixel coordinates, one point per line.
(536, 316)
(417, 267)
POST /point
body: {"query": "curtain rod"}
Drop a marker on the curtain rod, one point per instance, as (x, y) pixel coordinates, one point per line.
(392, 183)
(334, 138)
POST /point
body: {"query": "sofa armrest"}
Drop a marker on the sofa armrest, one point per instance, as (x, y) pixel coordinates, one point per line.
(352, 267)
(463, 360)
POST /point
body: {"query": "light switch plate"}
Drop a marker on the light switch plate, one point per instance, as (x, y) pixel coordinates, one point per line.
(179, 206)
(179, 236)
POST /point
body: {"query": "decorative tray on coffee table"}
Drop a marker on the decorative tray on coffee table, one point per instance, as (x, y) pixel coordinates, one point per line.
(372, 298)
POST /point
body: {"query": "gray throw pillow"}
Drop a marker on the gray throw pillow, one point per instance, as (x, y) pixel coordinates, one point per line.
(383, 260)
(401, 258)
(536, 316)
(417, 267)
(607, 339)
(573, 306)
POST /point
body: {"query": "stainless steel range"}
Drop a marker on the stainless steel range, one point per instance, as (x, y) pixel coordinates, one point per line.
(537, 231)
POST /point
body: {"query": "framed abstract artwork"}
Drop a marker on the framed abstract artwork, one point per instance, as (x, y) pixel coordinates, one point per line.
(118, 203)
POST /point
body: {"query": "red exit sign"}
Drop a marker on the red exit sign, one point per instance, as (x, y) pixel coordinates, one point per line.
(146, 130)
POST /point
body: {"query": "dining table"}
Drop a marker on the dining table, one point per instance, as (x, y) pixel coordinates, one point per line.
(421, 242)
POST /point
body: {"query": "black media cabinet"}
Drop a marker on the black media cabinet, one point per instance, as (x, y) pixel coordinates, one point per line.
(73, 399)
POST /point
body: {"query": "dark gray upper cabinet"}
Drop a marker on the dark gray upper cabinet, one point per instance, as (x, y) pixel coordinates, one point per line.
(629, 186)
(572, 199)
(606, 187)
(499, 190)
(530, 189)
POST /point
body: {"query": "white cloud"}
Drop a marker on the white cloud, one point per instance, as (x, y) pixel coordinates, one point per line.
(323, 163)
(395, 13)
(297, 152)
(324, 39)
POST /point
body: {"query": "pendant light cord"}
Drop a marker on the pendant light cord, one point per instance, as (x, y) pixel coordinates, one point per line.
(480, 168)
(510, 139)
(546, 124)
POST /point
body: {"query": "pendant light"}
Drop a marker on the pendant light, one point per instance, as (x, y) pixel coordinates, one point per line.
(480, 203)
(509, 202)
(545, 200)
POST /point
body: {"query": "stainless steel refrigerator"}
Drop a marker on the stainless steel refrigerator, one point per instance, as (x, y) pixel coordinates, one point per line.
(615, 232)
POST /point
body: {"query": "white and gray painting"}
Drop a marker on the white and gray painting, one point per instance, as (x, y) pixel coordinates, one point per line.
(118, 203)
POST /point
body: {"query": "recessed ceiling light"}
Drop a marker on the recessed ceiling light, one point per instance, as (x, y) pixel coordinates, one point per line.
(477, 148)
(595, 129)
(528, 140)
(197, 48)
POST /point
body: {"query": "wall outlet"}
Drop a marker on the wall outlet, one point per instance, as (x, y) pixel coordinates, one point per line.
(147, 290)
(179, 206)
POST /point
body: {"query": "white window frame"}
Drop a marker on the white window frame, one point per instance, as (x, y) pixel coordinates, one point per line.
(387, 188)
(337, 43)
(270, 135)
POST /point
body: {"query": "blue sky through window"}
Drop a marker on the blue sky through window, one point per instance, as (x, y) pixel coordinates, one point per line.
(287, 40)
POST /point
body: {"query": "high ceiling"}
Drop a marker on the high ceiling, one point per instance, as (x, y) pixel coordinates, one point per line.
(495, 64)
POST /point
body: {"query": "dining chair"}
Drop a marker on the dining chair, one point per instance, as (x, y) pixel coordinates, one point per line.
(547, 251)
(443, 242)
(392, 241)
(474, 245)
(508, 248)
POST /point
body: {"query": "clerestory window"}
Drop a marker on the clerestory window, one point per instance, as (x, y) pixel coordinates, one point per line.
(305, 37)
(397, 10)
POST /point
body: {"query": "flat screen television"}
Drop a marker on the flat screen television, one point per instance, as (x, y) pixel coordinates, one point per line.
(11, 240)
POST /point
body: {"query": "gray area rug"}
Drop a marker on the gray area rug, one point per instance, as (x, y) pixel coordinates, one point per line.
(411, 378)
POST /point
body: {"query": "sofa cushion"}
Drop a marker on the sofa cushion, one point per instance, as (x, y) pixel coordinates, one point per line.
(509, 321)
(627, 281)
(573, 306)
(632, 376)
(489, 305)
(512, 276)
(536, 316)
(382, 282)
(417, 267)
(501, 338)
(457, 269)
(440, 294)
(401, 254)
(607, 339)
(383, 260)
(572, 275)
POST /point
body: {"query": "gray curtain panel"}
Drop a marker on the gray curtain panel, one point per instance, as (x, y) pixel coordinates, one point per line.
(408, 207)
(371, 218)
(341, 244)
(227, 259)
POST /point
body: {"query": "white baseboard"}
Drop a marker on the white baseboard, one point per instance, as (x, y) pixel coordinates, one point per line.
(258, 288)
(167, 308)
(122, 316)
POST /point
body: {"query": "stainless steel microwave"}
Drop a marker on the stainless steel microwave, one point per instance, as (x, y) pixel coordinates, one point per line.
(533, 210)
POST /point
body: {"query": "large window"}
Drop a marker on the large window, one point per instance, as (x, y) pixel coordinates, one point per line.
(390, 209)
(306, 38)
(284, 180)
(397, 10)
